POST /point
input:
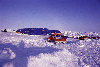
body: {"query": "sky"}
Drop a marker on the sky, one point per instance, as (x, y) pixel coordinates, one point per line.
(69, 15)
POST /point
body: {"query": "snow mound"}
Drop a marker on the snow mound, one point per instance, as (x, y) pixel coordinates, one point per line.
(57, 59)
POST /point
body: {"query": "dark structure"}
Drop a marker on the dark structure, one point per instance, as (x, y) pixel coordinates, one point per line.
(36, 31)
(5, 30)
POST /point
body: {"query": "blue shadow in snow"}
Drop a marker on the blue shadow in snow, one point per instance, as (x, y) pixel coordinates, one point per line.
(23, 53)
(74, 41)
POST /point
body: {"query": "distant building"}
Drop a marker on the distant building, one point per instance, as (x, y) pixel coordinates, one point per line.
(36, 31)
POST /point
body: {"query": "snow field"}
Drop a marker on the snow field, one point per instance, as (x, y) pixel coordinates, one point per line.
(74, 53)
(33, 40)
(57, 59)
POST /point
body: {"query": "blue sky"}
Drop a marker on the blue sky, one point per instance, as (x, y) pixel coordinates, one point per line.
(74, 15)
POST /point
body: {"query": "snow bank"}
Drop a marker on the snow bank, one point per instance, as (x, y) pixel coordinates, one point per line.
(33, 40)
(57, 59)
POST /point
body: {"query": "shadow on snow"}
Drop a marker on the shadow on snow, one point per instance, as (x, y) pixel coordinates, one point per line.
(23, 53)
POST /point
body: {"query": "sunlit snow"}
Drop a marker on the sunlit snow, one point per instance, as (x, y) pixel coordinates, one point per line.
(22, 50)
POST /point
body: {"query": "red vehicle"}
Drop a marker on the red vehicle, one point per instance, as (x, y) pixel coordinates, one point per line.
(83, 37)
(57, 38)
(98, 37)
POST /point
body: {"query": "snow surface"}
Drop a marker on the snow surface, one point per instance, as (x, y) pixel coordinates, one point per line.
(22, 50)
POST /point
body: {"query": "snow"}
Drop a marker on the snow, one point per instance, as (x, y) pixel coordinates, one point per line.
(57, 59)
(22, 50)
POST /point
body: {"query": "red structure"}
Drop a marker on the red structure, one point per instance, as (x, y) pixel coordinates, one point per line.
(57, 38)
